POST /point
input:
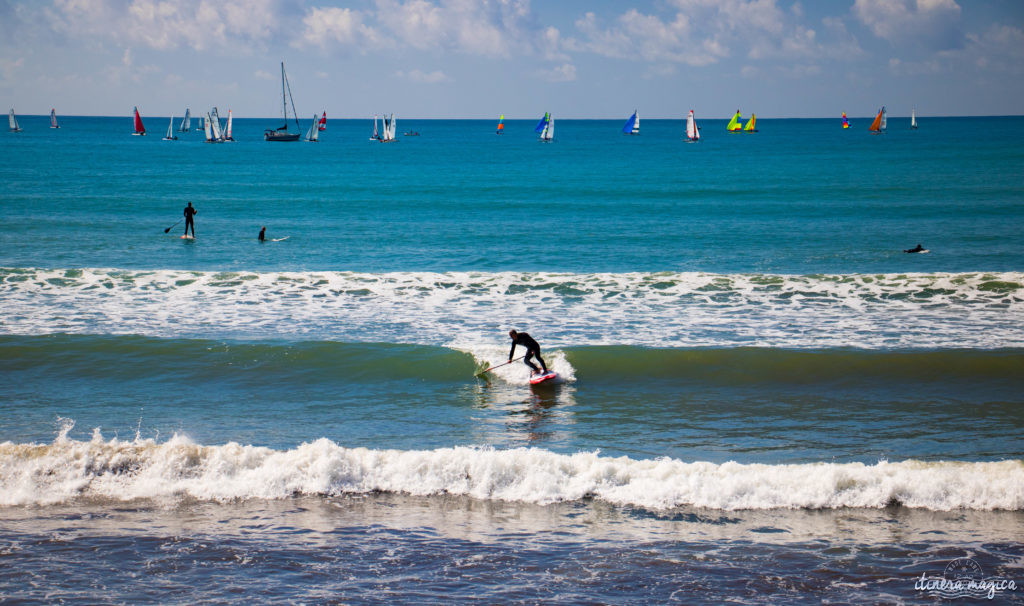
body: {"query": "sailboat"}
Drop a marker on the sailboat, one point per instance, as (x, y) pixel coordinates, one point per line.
(501, 125)
(734, 125)
(913, 118)
(692, 132)
(632, 125)
(53, 119)
(227, 129)
(322, 125)
(846, 123)
(186, 122)
(751, 124)
(547, 132)
(376, 133)
(140, 130)
(878, 126)
(170, 131)
(281, 133)
(13, 121)
(313, 135)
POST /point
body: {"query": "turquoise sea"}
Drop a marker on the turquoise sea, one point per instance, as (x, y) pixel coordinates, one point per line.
(762, 398)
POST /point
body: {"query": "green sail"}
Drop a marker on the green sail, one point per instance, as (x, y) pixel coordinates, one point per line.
(734, 124)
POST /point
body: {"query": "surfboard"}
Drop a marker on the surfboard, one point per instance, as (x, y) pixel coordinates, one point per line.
(280, 239)
(188, 237)
(542, 377)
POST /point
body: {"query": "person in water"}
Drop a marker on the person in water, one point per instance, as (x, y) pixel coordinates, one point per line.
(532, 350)
(263, 233)
(916, 249)
(189, 214)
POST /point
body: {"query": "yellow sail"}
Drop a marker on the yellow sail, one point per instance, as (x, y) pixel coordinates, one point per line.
(750, 124)
(734, 124)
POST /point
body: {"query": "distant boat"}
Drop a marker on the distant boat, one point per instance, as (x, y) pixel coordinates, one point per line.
(281, 133)
(411, 133)
(170, 131)
(546, 127)
(913, 118)
(692, 132)
(227, 130)
(53, 119)
(313, 135)
(501, 124)
(751, 124)
(632, 125)
(846, 123)
(878, 126)
(140, 130)
(322, 125)
(13, 121)
(186, 122)
(734, 125)
(376, 133)
(218, 131)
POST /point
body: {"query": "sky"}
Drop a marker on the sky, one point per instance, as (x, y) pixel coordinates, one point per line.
(521, 58)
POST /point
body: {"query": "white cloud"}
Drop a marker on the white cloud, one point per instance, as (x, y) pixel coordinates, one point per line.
(434, 77)
(483, 27)
(561, 73)
(934, 24)
(340, 26)
(262, 75)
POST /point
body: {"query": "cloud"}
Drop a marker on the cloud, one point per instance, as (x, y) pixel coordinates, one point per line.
(262, 75)
(482, 27)
(337, 26)
(434, 77)
(934, 24)
(561, 73)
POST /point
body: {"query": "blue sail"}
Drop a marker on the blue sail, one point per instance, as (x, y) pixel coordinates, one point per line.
(540, 125)
(628, 128)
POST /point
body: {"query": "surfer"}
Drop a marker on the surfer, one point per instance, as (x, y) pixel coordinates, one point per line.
(532, 350)
(189, 214)
(916, 249)
(263, 233)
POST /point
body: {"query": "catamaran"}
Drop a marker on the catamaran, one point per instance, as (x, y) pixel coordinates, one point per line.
(546, 127)
(913, 118)
(170, 131)
(186, 122)
(322, 125)
(501, 125)
(734, 125)
(632, 125)
(227, 129)
(878, 126)
(846, 123)
(53, 119)
(281, 133)
(692, 132)
(313, 135)
(140, 130)
(751, 124)
(13, 122)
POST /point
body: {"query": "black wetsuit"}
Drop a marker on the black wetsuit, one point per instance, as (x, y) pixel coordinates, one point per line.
(190, 212)
(262, 232)
(532, 349)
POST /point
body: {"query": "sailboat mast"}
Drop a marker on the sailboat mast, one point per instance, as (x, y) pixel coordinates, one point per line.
(292, 99)
(284, 101)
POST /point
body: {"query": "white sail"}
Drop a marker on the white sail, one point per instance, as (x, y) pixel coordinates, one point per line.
(376, 133)
(549, 129)
(313, 134)
(636, 124)
(170, 129)
(692, 132)
(881, 125)
(227, 129)
(218, 134)
(394, 127)
(186, 122)
(913, 117)
(13, 122)
(207, 128)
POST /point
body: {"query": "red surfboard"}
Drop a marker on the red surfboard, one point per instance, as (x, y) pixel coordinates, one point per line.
(542, 377)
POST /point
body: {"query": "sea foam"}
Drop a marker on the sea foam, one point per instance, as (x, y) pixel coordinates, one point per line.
(179, 468)
(469, 309)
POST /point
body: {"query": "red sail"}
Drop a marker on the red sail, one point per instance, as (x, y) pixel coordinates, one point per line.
(322, 125)
(139, 128)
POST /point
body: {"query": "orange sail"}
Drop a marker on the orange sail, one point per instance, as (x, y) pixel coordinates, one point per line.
(879, 124)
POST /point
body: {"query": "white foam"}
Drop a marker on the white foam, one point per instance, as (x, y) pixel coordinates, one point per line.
(471, 309)
(178, 468)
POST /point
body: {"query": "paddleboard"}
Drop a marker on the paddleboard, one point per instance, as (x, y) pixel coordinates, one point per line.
(188, 237)
(918, 252)
(280, 239)
(542, 377)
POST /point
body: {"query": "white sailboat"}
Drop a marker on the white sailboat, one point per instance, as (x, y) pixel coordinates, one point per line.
(227, 129)
(186, 122)
(376, 133)
(913, 118)
(388, 129)
(281, 133)
(53, 119)
(170, 131)
(208, 129)
(13, 121)
(692, 132)
(313, 135)
(547, 127)
(218, 135)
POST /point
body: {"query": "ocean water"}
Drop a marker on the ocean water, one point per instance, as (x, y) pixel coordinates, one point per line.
(761, 399)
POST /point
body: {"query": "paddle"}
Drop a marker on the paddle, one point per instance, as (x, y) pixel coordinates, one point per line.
(172, 227)
(481, 373)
